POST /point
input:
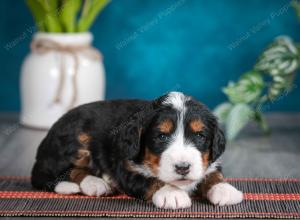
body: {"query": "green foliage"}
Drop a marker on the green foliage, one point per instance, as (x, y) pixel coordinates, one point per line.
(37, 12)
(68, 14)
(89, 13)
(222, 111)
(280, 61)
(296, 5)
(50, 19)
(271, 77)
(238, 117)
(259, 118)
(65, 15)
(246, 90)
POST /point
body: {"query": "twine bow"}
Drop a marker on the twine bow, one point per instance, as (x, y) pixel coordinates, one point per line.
(43, 46)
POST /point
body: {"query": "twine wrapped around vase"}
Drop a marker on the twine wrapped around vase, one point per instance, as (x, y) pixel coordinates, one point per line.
(43, 46)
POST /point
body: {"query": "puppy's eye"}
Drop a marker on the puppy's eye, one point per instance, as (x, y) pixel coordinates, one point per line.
(199, 136)
(163, 137)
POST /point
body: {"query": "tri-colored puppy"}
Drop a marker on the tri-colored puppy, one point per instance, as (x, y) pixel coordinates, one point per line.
(162, 150)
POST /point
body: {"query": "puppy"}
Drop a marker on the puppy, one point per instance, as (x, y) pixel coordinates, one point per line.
(161, 151)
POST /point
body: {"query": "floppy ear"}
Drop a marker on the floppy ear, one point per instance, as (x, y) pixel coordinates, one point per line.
(218, 144)
(127, 137)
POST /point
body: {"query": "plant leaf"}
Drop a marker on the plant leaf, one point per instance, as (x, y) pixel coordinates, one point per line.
(91, 8)
(296, 6)
(68, 14)
(246, 90)
(280, 57)
(50, 18)
(259, 118)
(237, 118)
(222, 111)
(37, 12)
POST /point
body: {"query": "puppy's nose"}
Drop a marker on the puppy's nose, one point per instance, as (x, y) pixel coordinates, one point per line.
(182, 168)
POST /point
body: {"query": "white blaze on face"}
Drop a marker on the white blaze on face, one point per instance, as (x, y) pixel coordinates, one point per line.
(179, 150)
(176, 100)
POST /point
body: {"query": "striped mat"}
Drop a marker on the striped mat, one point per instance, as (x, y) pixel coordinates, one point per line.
(264, 198)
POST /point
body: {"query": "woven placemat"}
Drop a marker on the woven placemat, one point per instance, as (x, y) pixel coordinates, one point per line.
(264, 198)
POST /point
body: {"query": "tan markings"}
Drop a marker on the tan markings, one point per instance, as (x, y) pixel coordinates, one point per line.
(205, 159)
(151, 160)
(128, 166)
(132, 167)
(82, 159)
(84, 139)
(78, 174)
(166, 126)
(209, 181)
(155, 185)
(196, 125)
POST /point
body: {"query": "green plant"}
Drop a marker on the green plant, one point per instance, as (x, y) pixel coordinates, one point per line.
(271, 77)
(65, 15)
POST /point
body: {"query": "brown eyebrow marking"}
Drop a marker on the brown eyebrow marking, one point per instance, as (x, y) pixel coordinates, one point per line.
(166, 126)
(196, 125)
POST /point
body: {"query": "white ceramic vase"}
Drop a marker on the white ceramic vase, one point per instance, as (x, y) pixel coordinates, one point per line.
(61, 72)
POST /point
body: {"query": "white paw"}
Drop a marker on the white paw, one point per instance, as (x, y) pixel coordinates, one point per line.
(67, 188)
(170, 197)
(224, 194)
(93, 186)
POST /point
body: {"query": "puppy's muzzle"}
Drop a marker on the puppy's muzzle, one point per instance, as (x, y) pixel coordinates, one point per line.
(182, 168)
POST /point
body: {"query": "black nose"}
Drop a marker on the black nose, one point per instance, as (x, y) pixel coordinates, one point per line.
(182, 168)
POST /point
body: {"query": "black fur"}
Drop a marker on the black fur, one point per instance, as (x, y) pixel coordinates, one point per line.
(218, 146)
(119, 131)
(105, 122)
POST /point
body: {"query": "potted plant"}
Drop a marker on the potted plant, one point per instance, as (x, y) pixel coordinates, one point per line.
(62, 70)
(271, 78)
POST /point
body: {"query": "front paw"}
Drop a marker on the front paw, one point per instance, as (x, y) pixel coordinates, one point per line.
(93, 186)
(170, 197)
(224, 194)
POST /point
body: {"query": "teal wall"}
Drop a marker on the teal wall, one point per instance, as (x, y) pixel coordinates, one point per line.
(154, 46)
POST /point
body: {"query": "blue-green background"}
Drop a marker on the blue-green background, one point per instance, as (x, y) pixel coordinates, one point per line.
(170, 45)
